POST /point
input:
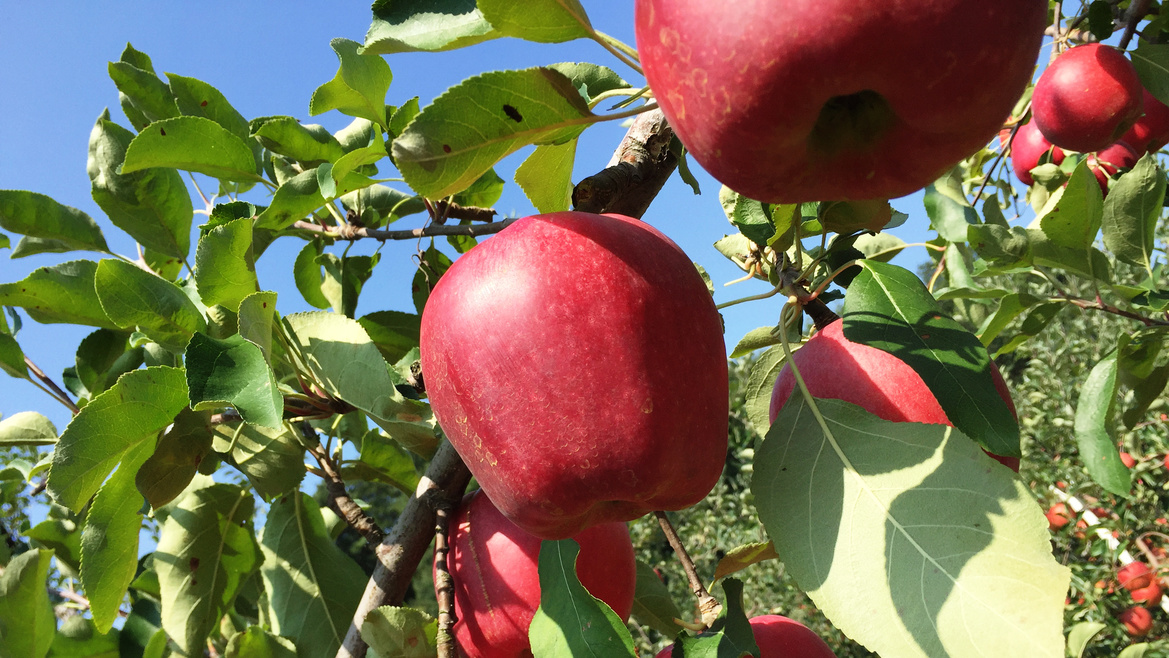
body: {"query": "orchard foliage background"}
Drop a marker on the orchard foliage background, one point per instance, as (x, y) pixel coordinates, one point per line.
(206, 497)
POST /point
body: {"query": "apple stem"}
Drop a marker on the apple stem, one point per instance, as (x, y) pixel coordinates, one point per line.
(708, 606)
(820, 313)
(444, 584)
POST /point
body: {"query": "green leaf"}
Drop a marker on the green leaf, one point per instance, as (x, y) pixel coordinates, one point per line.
(12, 357)
(741, 557)
(79, 638)
(652, 604)
(301, 195)
(1100, 19)
(255, 642)
(400, 632)
(1152, 64)
(384, 459)
(233, 372)
(27, 428)
(908, 537)
(131, 412)
(760, 385)
(378, 205)
(1073, 219)
(1082, 633)
(27, 623)
(753, 220)
(393, 332)
(731, 633)
(474, 124)
(59, 294)
(950, 213)
(63, 537)
(225, 268)
(1035, 322)
(400, 27)
(152, 206)
(1001, 246)
(310, 144)
(1131, 211)
(1145, 392)
(101, 358)
(1134, 650)
(591, 80)
(109, 540)
(570, 621)
(198, 99)
(889, 308)
(148, 94)
(1094, 428)
(180, 450)
(206, 551)
(433, 265)
(543, 21)
(313, 587)
(272, 460)
(360, 157)
(360, 86)
(545, 176)
(158, 308)
(192, 144)
(306, 272)
(257, 319)
(1089, 263)
(39, 216)
(1010, 307)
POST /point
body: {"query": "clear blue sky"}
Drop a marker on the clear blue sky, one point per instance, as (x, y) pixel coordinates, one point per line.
(267, 58)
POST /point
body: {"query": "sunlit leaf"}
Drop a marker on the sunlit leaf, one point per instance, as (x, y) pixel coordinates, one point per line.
(437, 25)
(225, 268)
(192, 144)
(360, 86)
(1094, 428)
(544, 21)
(255, 642)
(39, 216)
(546, 176)
(403, 632)
(27, 428)
(27, 623)
(158, 308)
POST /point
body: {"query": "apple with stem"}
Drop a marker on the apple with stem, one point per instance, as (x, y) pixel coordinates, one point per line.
(1150, 133)
(1134, 575)
(780, 637)
(836, 368)
(1027, 150)
(787, 102)
(1108, 162)
(577, 364)
(1087, 98)
(494, 566)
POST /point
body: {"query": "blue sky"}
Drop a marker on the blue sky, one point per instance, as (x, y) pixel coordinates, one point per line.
(267, 58)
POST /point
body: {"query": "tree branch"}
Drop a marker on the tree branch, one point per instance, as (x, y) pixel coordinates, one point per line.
(1136, 12)
(444, 585)
(640, 167)
(339, 498)
(62, 396)
(708, 606)
(349, 232)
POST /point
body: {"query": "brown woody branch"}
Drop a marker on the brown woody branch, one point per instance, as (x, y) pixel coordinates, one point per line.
(640, 167)
(1136, 12)
(339, 498)
(708, 606)
(451, 210)
(444, 585)
(350, 232)
(61, 396)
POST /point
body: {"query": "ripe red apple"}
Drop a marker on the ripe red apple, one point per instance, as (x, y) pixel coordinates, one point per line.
(1128, 460)
(494, 565)
(1087, 98)
(1137, 620)
(1028, 147)
(1165, 462)
(1057, 516)
(1107, 162)
(1150, 133)
(780, 637)
(1148, 596)
(577, 363)
(1134, 575)
(821, 101)
(836, 368)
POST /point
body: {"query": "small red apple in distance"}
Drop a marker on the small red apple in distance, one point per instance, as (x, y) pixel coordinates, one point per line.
(780, 637)
(1028, 148)
(1148, 596)
(1057, 516)
(790, 101)
(1137, 620)
(577, 364)
(1128, 460)
(1150, 133)
(1134, 575)
(1108, 162)
(836, 368)
(1087, 98)
(494, 565)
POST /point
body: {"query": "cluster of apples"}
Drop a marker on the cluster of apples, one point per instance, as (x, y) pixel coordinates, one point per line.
(1090, 100)
(1145, 588)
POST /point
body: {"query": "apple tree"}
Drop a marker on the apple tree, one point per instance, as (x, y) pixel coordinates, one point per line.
(574, 360)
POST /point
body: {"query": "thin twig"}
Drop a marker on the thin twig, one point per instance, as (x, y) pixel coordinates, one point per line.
(708, 606)
(1135, 13)
(444, 585)
(452, 210)
(339, 498)
(349, 232)
(57, 392)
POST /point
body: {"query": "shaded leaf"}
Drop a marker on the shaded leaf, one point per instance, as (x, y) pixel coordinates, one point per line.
(272, 459)
(543, 21)
(148, 94)
(225, 268)
(39, 216)
(761, 383)
(27, 623)
(404, 632)
(304, 143)
(12, 357)
(1152, 64)
(1131, 211)
(257, 319)
(950, 213)
(233, 372)
(301, 195)
(158, 308)
(741, 557)
(393, 332)
(731, 633)
(27, 428)
(255, 642)
(1082, 633)
(180, 450)
(1094, 428)
(652, 603)
(78, 638)
(360, 86)
(443, 25)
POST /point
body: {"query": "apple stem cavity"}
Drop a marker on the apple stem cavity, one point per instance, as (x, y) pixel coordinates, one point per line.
(854, 122)
(708, 606)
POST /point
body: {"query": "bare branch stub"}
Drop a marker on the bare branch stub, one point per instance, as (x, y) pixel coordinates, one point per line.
(639, 168)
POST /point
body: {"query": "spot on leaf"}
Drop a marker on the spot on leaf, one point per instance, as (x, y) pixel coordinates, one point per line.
(512, 113)
(162, 131)
(446, 148)
(193, 563)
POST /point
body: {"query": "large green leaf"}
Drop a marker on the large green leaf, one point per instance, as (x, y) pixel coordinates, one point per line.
(313, 587)
(1073, 219)
(225, 267)
(546, 176)
(1152, 64)
(62, 293)
(909, 537)
(133, 297)
(1094, 428)
(761, 383)
(27, 623)
(474, 124)
(950, 213)
(1080, 635)
(400, 632)
(12, 357)
(109, 540)
(180, 450)
(233, 372)
(570, 621)
(145, 90)
(27, 428)
(304, 143)
(379, 205)
(257, 317)
(1088, 262)
(272, 460)
(544, 21)
(79, 638)
(301, 195)
(889, 308)
(153, 205)
(206, 551)
(437, 25)
(360, 86)
(131, 412)
(1010, 307)
(1131, 211)
(652, 604)
(393, 332)
(199, 99)
(192, 144)
(38, 216)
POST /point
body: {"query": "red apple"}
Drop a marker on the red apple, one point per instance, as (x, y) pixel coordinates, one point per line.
(780, 637)
(1149, 596)
(577, 363)
(1150, 133)
(1137, 620)
(836, 99)
(1087, 98)
(1028, 147)
(1057, 516)
(1134, 575)
(494, 565)
(1165, 462)
(1128, 460)
(836, 368)
(1109, 161)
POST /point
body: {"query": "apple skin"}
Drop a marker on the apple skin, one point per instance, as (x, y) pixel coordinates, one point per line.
(1057, 516)
(1087, 98)
(1137, 620)
(1148, 596)
(826, 100)
(1150, 133)
(836, 368)
(1028, 147)
(577, 364)
(1134, 575)
(1128, 460)
(1107, 162)
(780, 637)
(494, 565)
